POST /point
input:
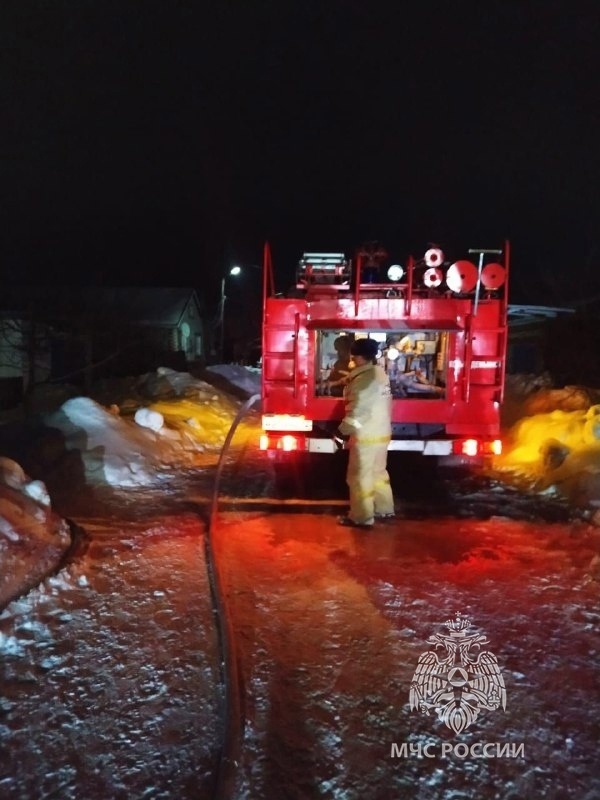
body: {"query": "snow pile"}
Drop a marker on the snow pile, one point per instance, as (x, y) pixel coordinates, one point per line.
(167, 383)
(206, 423)
(13, 475)
(33, 539)
(129, 433)
(172, 420)
(130, 393)
(246, 380)
(111, 450)
(555, 446)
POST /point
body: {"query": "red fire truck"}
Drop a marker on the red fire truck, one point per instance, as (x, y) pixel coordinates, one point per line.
(442, 329)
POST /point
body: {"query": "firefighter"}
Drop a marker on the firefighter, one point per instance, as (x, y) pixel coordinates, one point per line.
(367, 424)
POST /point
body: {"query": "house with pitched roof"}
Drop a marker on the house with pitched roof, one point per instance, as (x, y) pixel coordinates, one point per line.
(79, 334)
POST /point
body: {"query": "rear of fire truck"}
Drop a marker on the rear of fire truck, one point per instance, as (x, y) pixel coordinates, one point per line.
(441, 326)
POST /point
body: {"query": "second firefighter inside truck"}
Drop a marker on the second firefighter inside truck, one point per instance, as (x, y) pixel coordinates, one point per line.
(367, 423)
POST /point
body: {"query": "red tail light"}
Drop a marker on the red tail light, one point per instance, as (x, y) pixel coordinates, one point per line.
(274, 441)
(474, 447)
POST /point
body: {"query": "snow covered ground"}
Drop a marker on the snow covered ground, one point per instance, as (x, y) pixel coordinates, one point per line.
(109, 671)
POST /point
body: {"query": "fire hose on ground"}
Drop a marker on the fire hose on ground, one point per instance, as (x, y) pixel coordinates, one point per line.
(231, 678)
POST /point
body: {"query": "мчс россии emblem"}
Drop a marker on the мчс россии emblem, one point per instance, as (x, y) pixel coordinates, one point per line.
(460, 682)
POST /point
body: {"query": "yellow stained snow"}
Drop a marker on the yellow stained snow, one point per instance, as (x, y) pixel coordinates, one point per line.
(576, 431)
(207, 422)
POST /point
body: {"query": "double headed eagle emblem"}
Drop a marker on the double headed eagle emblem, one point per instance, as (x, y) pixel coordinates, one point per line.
(458, 684)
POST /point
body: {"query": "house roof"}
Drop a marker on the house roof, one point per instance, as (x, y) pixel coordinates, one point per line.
(527, 314)
(142, 305)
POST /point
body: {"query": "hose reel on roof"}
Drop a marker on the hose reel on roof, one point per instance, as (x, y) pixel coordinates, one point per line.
(462, 276)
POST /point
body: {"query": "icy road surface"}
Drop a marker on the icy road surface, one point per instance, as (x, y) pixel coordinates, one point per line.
(109, 670)
(331, 624)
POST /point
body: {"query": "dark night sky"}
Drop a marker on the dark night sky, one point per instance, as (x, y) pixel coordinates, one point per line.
(155, 143)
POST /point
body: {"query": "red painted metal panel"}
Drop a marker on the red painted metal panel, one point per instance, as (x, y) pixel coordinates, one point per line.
(474, 335)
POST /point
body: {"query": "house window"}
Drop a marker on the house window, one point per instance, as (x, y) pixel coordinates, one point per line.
(184, 336)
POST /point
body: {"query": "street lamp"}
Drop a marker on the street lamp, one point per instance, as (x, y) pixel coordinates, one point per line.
(232, 271)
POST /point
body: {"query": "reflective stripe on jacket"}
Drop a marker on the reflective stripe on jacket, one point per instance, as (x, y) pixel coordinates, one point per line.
(368, 405)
